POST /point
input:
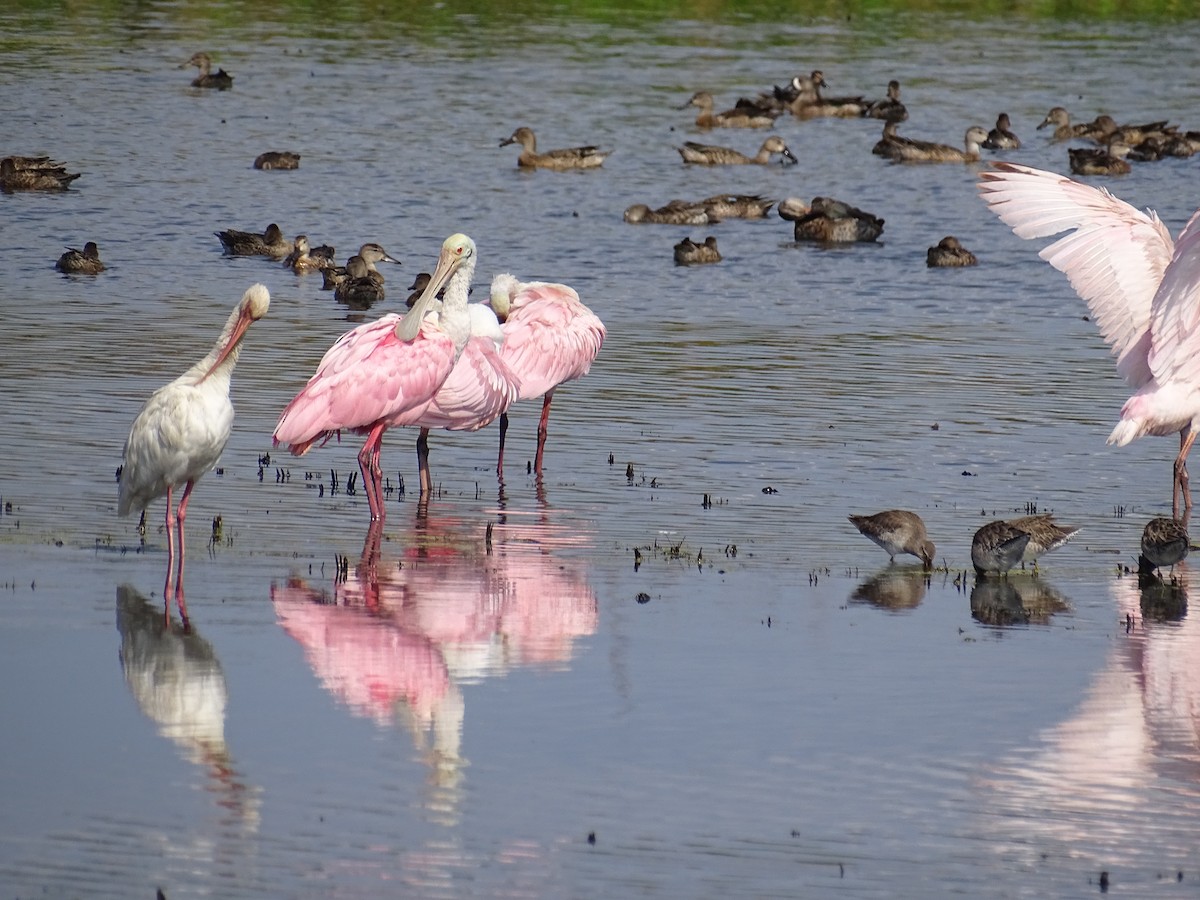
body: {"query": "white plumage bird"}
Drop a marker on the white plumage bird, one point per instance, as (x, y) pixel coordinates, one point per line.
(182, 428)
(1142, 287)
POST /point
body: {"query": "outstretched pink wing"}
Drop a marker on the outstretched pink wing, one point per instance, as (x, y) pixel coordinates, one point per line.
(550, 337)
(1115, 256)
(1175, 318)
(368, 376)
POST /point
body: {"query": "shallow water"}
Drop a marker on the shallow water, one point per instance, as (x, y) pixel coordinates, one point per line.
(758, 707)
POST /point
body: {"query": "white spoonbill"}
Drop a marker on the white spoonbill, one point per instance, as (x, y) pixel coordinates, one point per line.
(1142, 288)
(550, 337)
(182, 429)
(384, 373)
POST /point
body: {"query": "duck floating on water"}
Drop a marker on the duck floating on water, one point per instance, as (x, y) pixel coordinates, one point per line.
(691, 253)
(1100, 161)
(34, 173)
(248, 243)
(277, 159)
(677, 212)
(738, 117)
(809, 103)
(949, 253)
(1001, 137)
(737, 206)
(834, 222)
(305, 258)
(890, 108)
(565, 158)
(710, 155)
(220, 79)
(893, 147)
(81, 262)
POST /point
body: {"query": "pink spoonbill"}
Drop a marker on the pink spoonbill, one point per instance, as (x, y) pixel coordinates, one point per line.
(384, 374)
(1142, 287)
(479, 388)
(181, 430)
(550, 337)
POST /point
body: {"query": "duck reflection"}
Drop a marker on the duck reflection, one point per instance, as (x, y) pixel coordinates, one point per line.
(894, 588)
(1016, 600)
(176, 680)
(395, 640)
(1119, 778)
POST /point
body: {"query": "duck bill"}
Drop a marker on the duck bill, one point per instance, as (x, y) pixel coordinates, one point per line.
(410, 325)
(235, 337)
(788, 155)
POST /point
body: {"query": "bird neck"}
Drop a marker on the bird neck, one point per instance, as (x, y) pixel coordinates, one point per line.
(454, 318)
(208, 370)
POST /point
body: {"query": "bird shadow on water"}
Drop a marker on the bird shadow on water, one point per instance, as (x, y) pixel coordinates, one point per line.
(1015, 600)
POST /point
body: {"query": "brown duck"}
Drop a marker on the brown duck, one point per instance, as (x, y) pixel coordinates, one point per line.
(81, 262)
(738, 117)
(949, 253)
(832, 221)
(691, 253)
(566, 158)
(710, 155)
(220, 79)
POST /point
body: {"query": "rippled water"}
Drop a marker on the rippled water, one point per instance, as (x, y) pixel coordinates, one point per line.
(754, 709)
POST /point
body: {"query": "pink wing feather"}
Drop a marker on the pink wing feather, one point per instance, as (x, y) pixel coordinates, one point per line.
(550, 337)
(1175, 318)
(1115, 257)
(478, 390)
(367, 376)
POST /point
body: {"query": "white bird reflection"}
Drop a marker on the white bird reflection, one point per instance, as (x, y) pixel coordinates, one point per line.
(1117, 783)
(395, 640)
(177, 681)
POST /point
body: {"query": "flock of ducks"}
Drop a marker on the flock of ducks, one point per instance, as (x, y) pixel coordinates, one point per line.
(996, 547)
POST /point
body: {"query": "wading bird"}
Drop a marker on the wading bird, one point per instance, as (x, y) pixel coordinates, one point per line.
(182, 429)
(550, 338)
(1141, 286)
(897, 531)
(384, 373)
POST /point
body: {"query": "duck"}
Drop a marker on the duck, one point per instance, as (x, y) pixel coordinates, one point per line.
(898, 532)
(28, 173)
(890, 108)
(832, 221)
(1104, 129)
(220, 79)
(277, 159)
(909, 150)
(566, 158)
(792, 208)
(1061, 120)
(738, 117)
(691, 253)
(709, 155)
(417, 288)
(949, 253)
(1100, 161)
(737, 206)
(1001, 137)
(246, 243)
(358, 289)
(304, 258)
(809, 103)
(997, 547)
(81, 262)
(677, 212)
(889, 139)
(370, 253)
(1152, 149)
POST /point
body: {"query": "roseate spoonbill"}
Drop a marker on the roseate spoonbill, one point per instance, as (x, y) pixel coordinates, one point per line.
(480, 387)
(1141, 286)
(385, 373)
(897, 531)
(181, 430)
(550, 337)
(997, 547)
